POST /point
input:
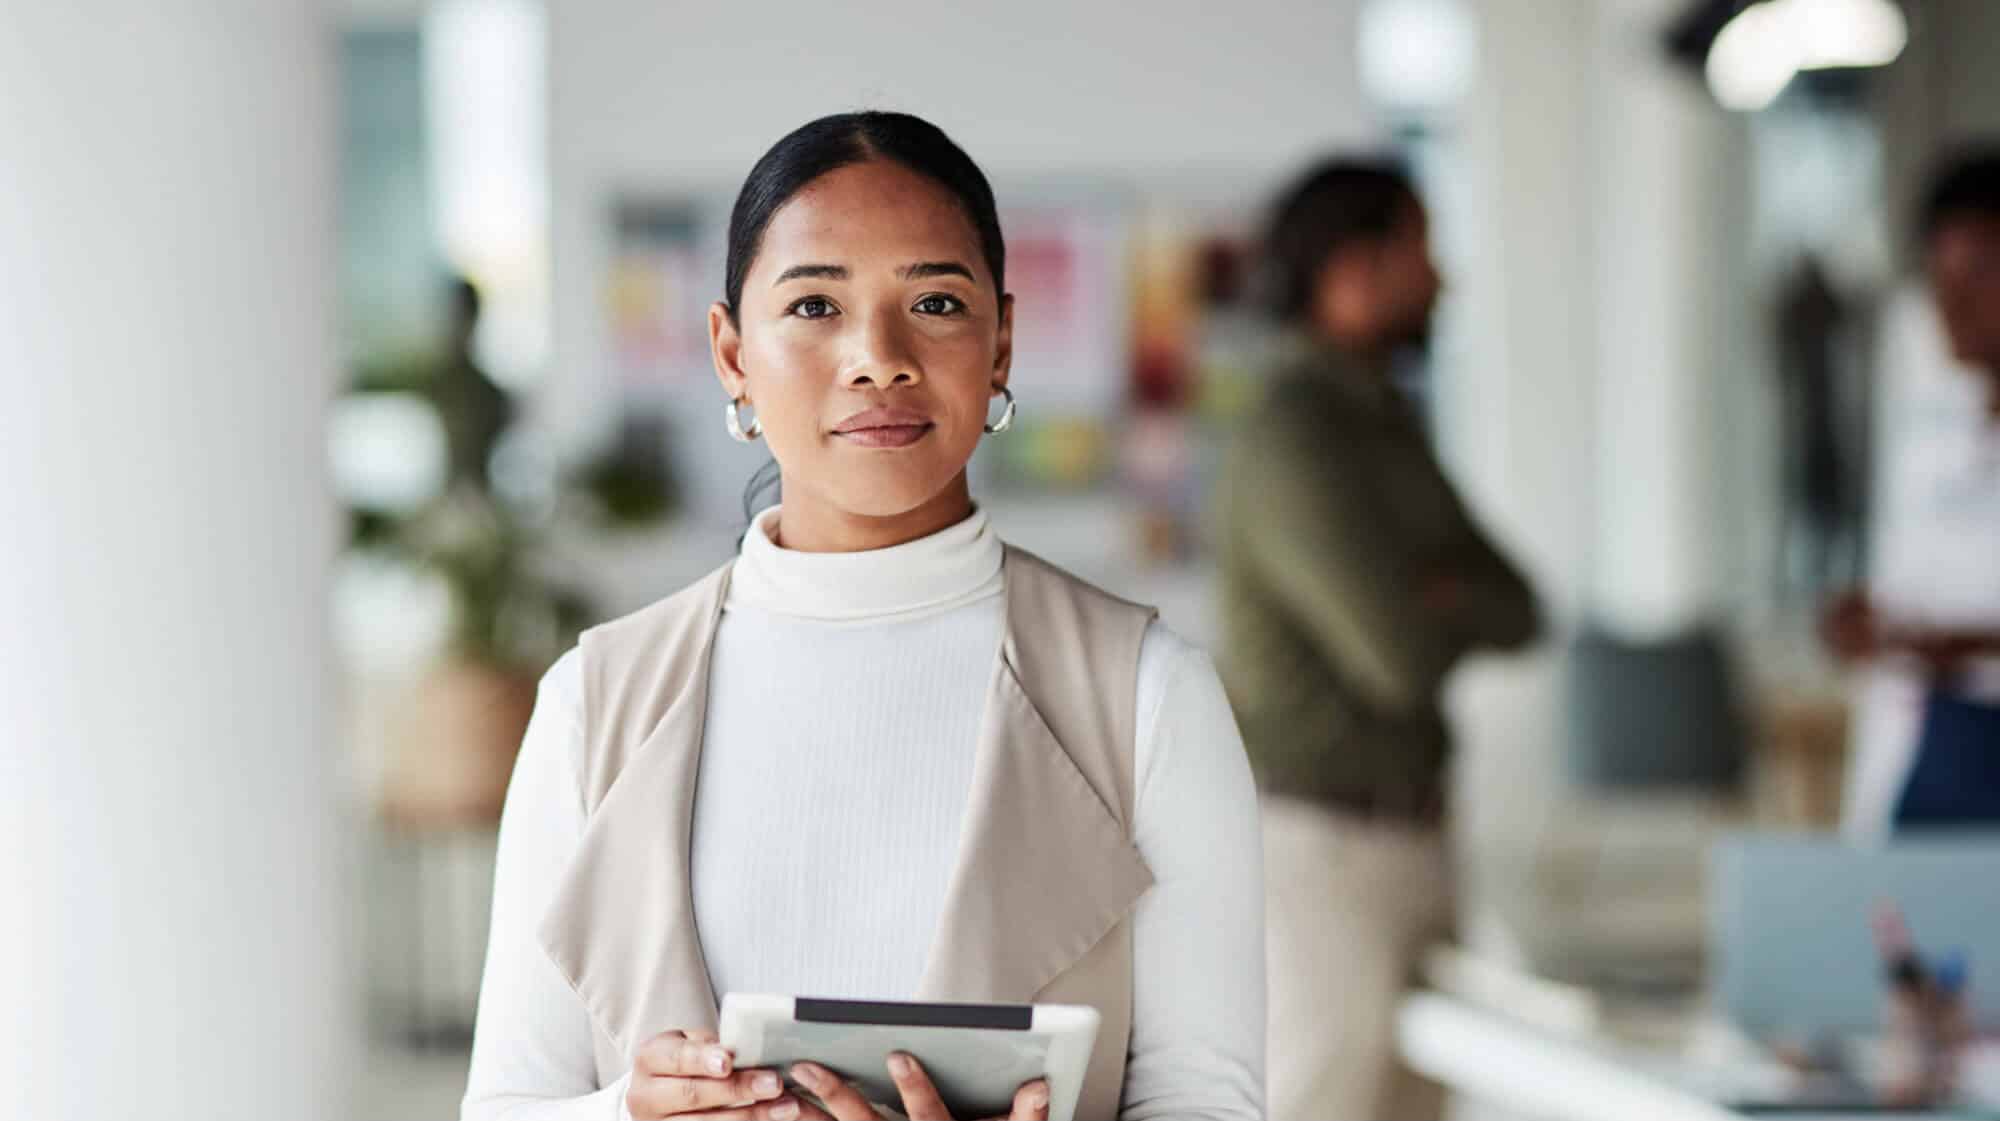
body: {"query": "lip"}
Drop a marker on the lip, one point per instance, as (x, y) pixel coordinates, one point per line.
(885, 427)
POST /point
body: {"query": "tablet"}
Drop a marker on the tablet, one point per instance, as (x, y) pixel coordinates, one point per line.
(977, 1055)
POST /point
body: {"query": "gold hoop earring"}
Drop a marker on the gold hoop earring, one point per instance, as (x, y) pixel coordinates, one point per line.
(1006, 420)
(733, 416)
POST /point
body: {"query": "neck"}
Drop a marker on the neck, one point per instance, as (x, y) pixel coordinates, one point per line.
(807, 524)
(1368, 358)
(1366, 347)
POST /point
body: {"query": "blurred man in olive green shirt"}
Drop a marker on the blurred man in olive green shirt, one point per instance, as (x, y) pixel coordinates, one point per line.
(1353, 581)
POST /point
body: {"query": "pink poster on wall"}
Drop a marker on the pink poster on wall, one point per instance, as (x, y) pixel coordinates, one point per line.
(1065, 267)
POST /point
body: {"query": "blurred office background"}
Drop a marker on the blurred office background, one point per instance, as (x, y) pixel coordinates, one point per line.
(355, 358)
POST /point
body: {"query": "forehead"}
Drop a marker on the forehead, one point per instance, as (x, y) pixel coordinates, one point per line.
(877, 214)
(1965, 233)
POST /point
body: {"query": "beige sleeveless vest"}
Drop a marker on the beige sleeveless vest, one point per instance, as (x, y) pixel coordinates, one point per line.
(1046, 877)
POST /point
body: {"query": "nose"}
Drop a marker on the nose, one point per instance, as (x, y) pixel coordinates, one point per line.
(882, 356)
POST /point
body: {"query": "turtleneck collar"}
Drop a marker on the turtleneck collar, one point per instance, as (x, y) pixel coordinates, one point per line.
(952, 567)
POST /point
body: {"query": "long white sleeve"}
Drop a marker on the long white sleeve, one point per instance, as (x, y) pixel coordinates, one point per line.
(1198, 935)
(532, 1055)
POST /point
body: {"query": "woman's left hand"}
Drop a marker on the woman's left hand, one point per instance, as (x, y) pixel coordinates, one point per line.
(920, 1099)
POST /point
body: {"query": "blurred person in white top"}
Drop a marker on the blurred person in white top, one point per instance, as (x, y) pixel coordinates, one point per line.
(1926, 745)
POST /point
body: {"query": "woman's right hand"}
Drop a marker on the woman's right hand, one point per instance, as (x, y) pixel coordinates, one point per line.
(690, 1074)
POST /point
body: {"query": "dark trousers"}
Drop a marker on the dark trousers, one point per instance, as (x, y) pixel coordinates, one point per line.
(1956, 777)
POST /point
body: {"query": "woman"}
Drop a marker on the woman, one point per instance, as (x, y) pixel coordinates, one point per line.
(879, 755)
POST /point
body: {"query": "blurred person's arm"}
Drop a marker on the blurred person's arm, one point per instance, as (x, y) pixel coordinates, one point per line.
(1197, 1048)
(1484, 595)
(1944, 648)
(1854, 629)
(533, 1056)
(1315, 541)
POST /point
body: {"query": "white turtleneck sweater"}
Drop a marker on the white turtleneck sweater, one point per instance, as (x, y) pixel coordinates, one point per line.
(849, 690)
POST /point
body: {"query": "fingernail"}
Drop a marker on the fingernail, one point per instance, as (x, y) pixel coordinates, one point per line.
(786, 1110)
(806, 1074)
(718, 1061)
(1038, 1098)
(900, 1065)
(765, 1085)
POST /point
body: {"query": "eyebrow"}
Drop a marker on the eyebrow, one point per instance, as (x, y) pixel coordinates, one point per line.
(811, 272)
(919, 271)
(924, 269)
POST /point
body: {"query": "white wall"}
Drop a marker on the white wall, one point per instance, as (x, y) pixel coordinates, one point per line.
(1179, 95)
(170, 919)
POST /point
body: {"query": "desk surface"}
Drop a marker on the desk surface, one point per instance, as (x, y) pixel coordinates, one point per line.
(1562, 1077)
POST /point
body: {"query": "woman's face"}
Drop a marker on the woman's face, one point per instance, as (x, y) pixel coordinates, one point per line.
(870, 338)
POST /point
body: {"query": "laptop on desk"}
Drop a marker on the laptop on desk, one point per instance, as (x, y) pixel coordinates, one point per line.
(1789, 921)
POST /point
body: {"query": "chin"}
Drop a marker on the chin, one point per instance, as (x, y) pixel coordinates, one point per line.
(891, 496)
(1963, 351)
(1962, 340)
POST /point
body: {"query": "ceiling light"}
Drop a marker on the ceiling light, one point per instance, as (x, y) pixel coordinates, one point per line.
(1416, 55)
(1757, 53)
(1837, 33)
(1753, 58)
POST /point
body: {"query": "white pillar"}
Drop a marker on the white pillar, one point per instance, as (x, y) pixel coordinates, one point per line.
(1663, 271)
(1520, 402)
(170, 905)
(1594, 418)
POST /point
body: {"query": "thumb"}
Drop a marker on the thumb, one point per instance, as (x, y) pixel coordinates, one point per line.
(1031, 1102)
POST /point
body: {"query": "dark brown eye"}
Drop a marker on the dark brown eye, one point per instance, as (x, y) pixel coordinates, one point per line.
(937, 303)
(812, 307)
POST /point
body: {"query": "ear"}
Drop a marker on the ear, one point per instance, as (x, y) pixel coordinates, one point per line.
(725, 346)
(1003, 351)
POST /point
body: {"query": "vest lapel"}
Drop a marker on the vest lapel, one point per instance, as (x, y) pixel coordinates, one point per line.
(621, 926)
(1045, 870)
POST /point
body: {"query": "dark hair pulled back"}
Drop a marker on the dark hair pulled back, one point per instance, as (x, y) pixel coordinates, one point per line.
(830, 143)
